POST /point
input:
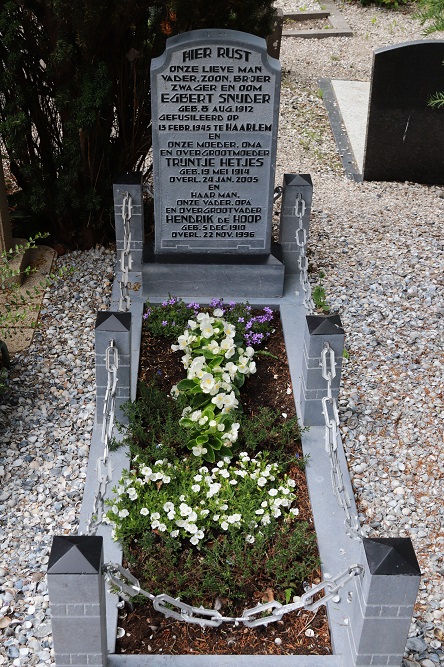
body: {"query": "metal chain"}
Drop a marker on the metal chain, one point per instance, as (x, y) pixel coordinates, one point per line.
(126, 260)
(118, 578)
(104, 470)
(301, 240)
(331, 418)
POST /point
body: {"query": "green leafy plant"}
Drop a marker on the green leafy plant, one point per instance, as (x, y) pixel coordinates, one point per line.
(75, 107)
(318, 293)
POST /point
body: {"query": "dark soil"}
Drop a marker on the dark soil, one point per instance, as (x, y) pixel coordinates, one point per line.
(299, 632)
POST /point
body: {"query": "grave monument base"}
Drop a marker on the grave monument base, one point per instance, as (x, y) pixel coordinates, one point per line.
(187, 275)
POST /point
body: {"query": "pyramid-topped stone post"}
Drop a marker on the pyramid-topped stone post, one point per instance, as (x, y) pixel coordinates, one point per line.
(77, 597)
(382, 602)
(320, 331)
(116, 327)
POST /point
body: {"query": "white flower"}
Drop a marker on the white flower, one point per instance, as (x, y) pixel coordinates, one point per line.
(294, 511)
(218, 400)
(261, 511)
(272, 492)
(218, 312)
(162, 528)
(196, 415)
(174, 533)
(192, 324)
(146, 471)
(225, 474)
(206, 328)
(155, 515)
(155, 524)
(252, 367)
(207, 383)
(224, 525)
(230, 401)
(223, 507)
(186, 359)
(191, 528)
(229, 330)
(171, 515)
(144, 511)
(233, 482)
(250, 539)
(214, 488)
(216, 517)
(166, 479)
(185, 509)
(212, 423)
(115, 509)
(249, 352)
(291, 483)
(199, 451)
(194, 540)
(221, 427)
(192, 516)
(204, 513)
(234, 518)
(265, 519)
(213, 346)
(261, 481)
(203, 420)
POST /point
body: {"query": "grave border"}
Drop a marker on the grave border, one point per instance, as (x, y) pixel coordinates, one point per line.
(339, 26)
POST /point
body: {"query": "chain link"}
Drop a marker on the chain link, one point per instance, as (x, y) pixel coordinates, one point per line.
(104, 469)
(118, 578)
(301, 241)
(331, 418)
(126, 260)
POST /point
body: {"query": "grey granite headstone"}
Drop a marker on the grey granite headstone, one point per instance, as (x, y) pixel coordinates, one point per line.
(405, 136)
(215, 106)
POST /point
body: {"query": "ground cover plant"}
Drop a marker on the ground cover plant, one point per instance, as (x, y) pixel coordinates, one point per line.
(222, 522)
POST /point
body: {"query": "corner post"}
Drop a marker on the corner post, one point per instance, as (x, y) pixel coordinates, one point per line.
(382, 602)
(319, 330)
(113, 326)
(77, 597)
(130, 183)
(294, 186)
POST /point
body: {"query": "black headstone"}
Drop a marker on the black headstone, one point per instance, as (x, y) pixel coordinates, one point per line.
(405, 136)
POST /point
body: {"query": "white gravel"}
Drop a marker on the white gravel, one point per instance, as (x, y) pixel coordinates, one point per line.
(381, 246)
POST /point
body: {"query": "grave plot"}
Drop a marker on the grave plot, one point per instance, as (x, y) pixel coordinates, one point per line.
(386, 129)
(368, 586)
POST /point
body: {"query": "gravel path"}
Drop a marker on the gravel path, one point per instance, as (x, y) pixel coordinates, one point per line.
(381, 246)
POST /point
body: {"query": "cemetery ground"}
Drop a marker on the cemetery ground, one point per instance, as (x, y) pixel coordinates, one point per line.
(381, 248)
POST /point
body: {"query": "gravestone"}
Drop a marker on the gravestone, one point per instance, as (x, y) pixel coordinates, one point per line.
(405, 136)
(215, 116)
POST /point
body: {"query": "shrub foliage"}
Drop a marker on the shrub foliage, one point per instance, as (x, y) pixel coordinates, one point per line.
(75, 96)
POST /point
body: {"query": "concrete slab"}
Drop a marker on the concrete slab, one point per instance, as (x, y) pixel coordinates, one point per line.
(353, 98)
(347, 106)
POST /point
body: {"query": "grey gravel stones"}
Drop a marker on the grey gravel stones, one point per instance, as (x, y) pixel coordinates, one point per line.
(45, 431)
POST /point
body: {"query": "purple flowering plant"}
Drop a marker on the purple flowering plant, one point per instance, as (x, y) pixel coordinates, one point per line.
(170, 319)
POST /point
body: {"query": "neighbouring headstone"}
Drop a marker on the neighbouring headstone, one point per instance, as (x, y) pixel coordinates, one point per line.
(405, 136)
(215, 117)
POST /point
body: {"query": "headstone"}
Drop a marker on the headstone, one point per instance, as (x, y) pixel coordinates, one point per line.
(215, 117)
(405, 136)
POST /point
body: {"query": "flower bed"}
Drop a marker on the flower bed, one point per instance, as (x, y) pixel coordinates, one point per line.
(214, 508)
